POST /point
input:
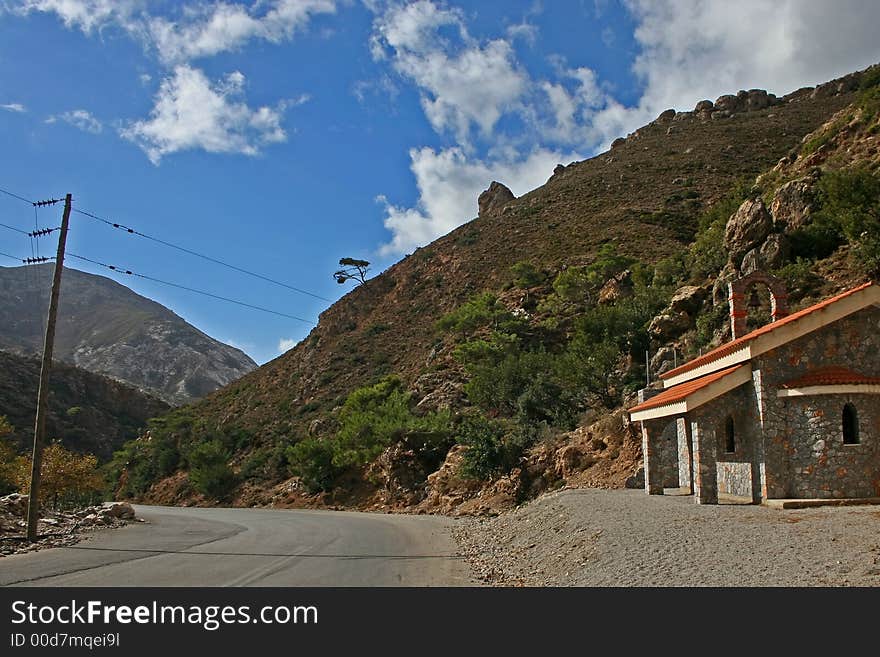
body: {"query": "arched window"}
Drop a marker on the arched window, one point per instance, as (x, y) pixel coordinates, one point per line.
(850, 425)
(729, 435)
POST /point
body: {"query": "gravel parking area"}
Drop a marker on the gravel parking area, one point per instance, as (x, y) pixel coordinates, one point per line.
(591, 537)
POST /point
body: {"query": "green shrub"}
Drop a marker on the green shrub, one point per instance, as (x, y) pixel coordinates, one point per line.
(849, 204)
(572, 284)
(671, 271)
(710, 321)
(486, 453)
(816, 240)
(607, 263)
(800, 278)
(209, 471)
(526, 275)
(481, 311)
(311, 459)
(707, 255)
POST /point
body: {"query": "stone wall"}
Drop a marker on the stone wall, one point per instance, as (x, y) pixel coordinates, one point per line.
(805, 454)
(669, 455)
(734, 473)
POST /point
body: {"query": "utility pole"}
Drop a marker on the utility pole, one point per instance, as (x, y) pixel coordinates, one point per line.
(43, 391)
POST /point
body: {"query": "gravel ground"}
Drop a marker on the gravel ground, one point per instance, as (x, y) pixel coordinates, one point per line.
(592, 537)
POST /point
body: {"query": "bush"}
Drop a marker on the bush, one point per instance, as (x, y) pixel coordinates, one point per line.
(816, 240)
(486, 453)
(7, 458)
(311, 459)
(800, 278)
(572, 285)
(209, 470)
(526, 275)
(374, 417)
(371, 419)
(66, 478)
(607, 263)
(707, 255)
(709, 322)
(850, 199)
(483, 310)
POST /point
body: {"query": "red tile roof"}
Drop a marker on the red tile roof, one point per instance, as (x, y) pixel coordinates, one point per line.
(683, 390)
(831, 376)
(739, 343)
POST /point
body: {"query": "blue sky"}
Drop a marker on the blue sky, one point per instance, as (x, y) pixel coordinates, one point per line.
(281, 135)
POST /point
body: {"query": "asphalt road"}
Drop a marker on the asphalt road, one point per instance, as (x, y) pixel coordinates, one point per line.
(251, 547)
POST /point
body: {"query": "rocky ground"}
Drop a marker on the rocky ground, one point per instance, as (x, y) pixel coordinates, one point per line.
(591, 537)
(55, 528)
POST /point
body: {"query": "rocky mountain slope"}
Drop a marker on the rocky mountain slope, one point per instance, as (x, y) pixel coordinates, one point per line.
(662, 219)
(88, 413)
(106, 328)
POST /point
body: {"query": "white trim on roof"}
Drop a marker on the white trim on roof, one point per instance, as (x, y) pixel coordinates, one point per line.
(786, 333)
(698, 397)
(739, 356)
(839, 389)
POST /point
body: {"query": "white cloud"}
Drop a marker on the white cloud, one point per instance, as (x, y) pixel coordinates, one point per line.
(86, 15)
(81, 119)
(463, 83)
(692, 49)
(191, 112)
(449, 182)
(200, 30)
(14, 107)
(286, 344)
(524, 30)
(203, 31)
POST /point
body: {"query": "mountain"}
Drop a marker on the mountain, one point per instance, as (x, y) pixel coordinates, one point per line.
(650, 215)
(106, 328)
(88, 412)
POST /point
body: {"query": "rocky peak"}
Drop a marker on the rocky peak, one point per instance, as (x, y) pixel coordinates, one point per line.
(492, 200)
(106, 328)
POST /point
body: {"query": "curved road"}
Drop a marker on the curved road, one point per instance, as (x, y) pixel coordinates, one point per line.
(251, 547)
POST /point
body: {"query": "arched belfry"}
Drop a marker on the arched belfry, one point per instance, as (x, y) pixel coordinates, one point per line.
(738, 306)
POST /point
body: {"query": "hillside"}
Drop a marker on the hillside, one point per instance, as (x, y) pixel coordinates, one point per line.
(106, 328)
(88, 413)
(627, 230)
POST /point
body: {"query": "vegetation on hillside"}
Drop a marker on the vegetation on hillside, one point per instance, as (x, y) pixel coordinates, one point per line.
(535, 344)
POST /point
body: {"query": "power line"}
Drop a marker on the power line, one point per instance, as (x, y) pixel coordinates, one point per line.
(17, 230)
(203, 256)
(122, 270)
(20, 198)
(36, 204)
(132, 231)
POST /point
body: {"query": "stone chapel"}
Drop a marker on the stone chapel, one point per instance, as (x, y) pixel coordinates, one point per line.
(789, 410)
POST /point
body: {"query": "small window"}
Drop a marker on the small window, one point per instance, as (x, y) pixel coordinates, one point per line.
(729, 436)
(850, 425)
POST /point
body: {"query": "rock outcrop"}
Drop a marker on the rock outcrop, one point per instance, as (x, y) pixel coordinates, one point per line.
(747, 228)
(493, 200)
(793, 203)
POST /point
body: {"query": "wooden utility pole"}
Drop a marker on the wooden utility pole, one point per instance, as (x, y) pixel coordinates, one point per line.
(43, 391)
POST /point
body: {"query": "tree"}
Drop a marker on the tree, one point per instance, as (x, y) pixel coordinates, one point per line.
(65, 476)
(7, 457)
(353, 270)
